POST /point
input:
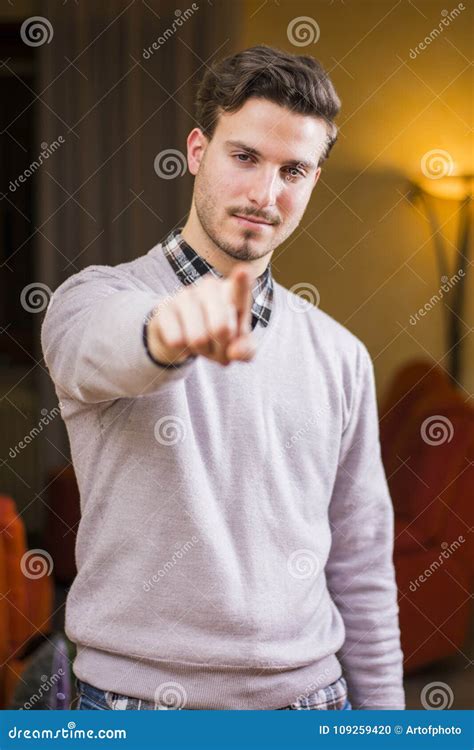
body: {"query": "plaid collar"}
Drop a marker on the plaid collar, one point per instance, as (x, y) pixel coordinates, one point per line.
(189, 267)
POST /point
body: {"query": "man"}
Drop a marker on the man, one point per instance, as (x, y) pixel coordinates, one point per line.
(235, 545)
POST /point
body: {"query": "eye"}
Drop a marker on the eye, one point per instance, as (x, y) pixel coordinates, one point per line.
(293, 172)
(245, 156)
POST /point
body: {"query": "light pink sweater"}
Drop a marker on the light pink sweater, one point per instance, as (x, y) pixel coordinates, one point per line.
(237, 530)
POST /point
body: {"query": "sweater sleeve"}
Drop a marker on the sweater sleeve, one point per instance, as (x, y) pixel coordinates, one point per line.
(360, 571)
(93, 338)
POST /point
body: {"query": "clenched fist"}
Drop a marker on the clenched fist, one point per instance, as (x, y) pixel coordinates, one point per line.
(211, 317)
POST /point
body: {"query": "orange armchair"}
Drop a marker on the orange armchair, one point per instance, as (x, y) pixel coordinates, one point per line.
(427, 439)
(26, 598)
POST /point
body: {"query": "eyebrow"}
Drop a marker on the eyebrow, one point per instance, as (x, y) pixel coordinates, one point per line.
(309, 165)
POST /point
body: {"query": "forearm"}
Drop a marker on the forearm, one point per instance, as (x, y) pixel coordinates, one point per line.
(93, 341)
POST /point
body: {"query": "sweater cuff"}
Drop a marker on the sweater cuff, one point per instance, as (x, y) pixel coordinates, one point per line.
(166, 365)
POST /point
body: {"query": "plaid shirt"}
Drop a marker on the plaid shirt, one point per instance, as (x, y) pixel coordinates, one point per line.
(332, 697)
(189, 267)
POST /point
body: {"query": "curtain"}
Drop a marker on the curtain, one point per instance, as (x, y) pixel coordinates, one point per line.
(117, 81)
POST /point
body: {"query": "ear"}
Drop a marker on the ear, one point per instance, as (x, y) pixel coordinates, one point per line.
(316, 176)
(197, 144)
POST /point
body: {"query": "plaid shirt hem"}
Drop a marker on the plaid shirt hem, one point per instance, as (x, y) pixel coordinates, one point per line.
(332, 697)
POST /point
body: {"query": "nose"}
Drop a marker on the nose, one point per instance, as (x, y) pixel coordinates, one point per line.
(263, 187)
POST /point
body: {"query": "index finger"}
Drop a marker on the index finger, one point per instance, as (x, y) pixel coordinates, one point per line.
(241, 295)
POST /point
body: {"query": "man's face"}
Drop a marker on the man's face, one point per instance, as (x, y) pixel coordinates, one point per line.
(261, 163)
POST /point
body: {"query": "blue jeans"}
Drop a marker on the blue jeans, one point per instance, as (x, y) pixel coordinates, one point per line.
(92, 698)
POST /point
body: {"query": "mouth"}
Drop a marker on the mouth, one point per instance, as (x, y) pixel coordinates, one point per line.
(252, 221)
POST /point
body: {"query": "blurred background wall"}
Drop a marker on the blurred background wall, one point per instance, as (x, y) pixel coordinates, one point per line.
(363, 245)
(363, 249)
(112, 112)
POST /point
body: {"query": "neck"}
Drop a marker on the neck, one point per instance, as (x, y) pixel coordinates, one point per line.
(201, 243)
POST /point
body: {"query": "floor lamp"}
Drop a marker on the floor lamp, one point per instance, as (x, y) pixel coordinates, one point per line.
(460, 190)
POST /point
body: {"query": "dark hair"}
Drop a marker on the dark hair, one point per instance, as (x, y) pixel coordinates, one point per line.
(294, 81)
